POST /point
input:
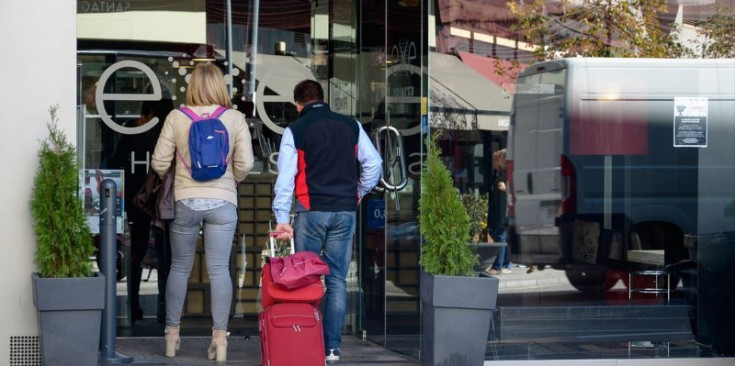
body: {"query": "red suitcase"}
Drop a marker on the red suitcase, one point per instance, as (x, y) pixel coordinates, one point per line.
(272, 293)
(291, 334)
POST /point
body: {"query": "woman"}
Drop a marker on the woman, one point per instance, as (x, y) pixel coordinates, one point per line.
(210, 205)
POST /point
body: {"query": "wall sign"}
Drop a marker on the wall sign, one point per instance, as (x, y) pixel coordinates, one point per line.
(375, 214)
(91, 181)
(690, 121)
(101, 96)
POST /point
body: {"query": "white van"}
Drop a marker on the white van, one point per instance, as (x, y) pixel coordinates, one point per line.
(612, 162)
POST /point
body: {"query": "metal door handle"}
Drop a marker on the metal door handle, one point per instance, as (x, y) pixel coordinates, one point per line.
(388, 139)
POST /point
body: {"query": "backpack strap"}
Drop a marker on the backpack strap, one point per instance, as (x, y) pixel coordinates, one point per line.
(218, 112)
(183, 161)
(194, 117)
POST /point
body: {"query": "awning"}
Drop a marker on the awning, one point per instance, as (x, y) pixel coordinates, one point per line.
(461, 98)
(278, 74)
(486, 67)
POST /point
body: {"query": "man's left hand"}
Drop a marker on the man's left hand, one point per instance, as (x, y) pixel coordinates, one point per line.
(284, 231)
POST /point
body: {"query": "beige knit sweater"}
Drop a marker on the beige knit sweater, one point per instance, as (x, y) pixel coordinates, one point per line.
(175, 135)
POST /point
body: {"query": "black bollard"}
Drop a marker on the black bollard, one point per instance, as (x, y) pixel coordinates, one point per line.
(108, 251)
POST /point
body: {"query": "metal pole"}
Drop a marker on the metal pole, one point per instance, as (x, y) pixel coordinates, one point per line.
(108, 249)
(228, 36)
(254, 54)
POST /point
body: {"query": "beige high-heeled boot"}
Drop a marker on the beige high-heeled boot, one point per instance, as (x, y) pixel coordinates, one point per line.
(218, 348)
(173, 342)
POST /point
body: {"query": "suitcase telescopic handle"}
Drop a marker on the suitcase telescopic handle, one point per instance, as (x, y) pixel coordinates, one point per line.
(272, 236)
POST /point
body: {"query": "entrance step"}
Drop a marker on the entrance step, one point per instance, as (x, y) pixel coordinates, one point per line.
(656, 323)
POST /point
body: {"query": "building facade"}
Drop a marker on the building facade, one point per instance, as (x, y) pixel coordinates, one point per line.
(401, 68)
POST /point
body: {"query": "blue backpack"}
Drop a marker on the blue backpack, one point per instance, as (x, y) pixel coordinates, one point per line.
(209, 145)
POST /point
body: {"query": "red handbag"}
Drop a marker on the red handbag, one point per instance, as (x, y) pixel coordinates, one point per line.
(273, 293)
(297, 270)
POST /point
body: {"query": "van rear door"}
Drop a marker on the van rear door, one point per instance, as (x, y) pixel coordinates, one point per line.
(536, 145)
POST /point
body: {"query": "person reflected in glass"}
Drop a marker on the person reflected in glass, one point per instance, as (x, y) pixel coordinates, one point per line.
(132, 156)
(498, 215)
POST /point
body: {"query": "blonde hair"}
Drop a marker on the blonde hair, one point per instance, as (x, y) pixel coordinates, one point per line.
(499, 159)
(207, 87)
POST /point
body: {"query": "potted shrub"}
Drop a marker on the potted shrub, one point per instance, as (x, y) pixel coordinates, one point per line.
(456, 303)
(69, 297)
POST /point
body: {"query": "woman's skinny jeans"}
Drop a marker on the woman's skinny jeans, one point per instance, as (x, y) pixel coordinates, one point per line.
(218, 226)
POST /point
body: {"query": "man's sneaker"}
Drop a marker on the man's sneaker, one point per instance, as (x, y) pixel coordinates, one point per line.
(333, 355)
(492, 271)
(506, 270)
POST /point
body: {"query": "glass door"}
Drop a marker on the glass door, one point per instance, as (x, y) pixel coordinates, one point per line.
(371, 230)
(391, 92)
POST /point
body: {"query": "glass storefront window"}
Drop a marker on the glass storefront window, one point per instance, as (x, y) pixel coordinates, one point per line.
(404, 69)
(264, 49)
(605, 201)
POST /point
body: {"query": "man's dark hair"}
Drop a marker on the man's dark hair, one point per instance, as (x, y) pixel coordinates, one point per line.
(308, 91)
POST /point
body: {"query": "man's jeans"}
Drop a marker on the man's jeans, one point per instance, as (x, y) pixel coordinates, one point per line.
(502, 260)
(331, 235)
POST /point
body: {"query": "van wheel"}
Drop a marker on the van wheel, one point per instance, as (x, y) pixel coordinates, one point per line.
(591, 279)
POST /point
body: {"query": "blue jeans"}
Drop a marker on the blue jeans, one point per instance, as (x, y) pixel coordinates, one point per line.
(331, 235)
(502, 260)
(218, 227)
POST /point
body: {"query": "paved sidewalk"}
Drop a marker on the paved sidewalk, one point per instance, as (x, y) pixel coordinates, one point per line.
(538, 280)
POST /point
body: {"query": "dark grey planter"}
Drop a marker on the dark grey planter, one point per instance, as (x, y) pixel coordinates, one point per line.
(456, 313)
(70, 318)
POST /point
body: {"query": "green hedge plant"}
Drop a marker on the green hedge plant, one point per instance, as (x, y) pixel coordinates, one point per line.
(476, 206)
(443, 220)
(64, 242)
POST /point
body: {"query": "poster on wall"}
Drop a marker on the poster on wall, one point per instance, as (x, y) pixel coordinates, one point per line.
(90, 190)
(690, 121)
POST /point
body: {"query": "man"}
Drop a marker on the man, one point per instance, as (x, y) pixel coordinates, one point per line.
(317, 162)
(498, 214)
